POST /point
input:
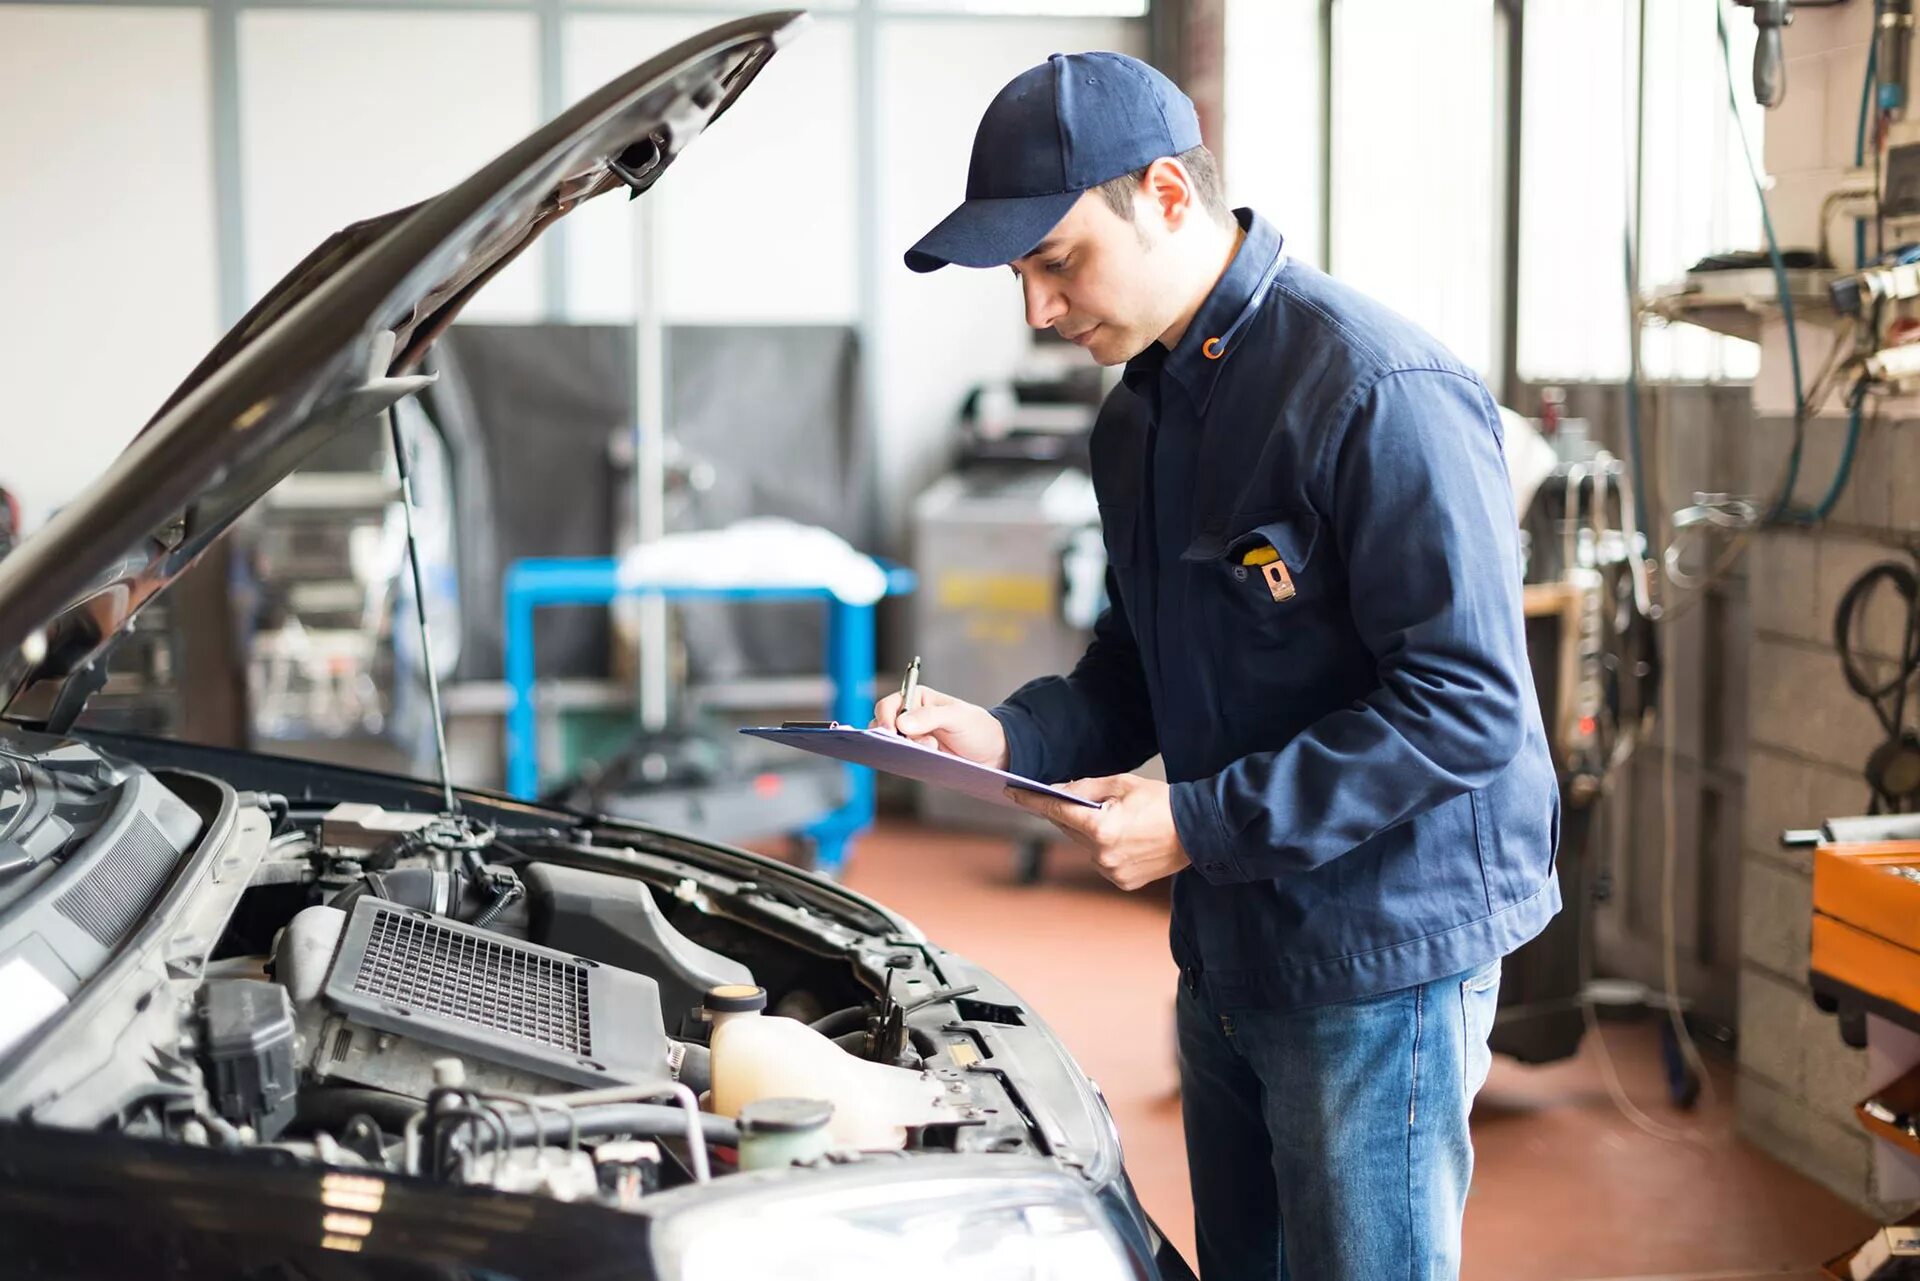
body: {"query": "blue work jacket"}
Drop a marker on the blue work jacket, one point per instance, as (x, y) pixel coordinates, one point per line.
(1359, 770)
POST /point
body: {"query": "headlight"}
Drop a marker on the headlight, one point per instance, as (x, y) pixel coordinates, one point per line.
(1029, 1227)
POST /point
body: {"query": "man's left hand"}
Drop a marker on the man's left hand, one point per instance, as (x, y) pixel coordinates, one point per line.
(1132, 835)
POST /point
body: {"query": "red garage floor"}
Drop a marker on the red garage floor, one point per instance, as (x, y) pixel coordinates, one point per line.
(1566, 1188)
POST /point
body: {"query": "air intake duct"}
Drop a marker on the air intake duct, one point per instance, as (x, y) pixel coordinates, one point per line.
(482, 995)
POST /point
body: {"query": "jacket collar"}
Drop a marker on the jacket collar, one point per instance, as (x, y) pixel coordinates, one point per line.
(1215, 332)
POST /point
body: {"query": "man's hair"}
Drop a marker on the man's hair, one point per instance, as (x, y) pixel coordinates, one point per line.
(1200, 166)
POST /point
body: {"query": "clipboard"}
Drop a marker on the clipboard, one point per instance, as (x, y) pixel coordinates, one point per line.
(886, 751)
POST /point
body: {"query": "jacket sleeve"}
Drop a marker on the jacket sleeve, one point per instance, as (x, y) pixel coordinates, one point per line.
(1422, 514)
(1092, 723)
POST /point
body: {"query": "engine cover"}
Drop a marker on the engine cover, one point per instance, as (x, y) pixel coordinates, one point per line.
(482, 996)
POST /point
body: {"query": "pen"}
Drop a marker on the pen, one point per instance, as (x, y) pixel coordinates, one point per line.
(911, 685)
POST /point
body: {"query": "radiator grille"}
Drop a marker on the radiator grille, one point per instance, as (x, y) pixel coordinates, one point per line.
(117, 890)
(433, 970)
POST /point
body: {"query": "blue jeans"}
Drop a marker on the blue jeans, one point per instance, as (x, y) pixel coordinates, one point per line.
(1330, 1143)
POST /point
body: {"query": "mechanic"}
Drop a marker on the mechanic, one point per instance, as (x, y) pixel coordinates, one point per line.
(1315, 620)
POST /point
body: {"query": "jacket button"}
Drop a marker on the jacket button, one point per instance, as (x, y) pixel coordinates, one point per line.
(1240, 573)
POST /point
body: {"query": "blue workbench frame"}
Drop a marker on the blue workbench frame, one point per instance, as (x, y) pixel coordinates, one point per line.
(543, 581)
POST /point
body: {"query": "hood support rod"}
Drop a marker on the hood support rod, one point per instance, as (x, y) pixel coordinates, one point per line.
(420, 613)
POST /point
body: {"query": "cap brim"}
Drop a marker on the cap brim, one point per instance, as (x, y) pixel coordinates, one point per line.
(990, 233)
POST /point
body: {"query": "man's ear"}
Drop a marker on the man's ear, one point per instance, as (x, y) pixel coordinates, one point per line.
(1168, 187)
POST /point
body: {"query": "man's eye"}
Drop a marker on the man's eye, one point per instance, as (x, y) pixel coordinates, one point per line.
(1057, 266)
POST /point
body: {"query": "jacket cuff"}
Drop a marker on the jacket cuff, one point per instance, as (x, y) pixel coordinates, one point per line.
(1025, 750)
(1203, 833)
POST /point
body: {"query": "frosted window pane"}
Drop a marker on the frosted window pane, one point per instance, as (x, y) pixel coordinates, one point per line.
(1415, 200)
(757, 221)
(1575, 150)
(354, 113)
(1576, 158)
(109, 287)
(1271, 149)
(1699, 198)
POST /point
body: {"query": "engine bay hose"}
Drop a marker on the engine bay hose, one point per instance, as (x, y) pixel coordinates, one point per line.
(332, 1107)
(647, 1120)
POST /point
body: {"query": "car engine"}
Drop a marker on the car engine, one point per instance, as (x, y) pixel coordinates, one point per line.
(514, 1002)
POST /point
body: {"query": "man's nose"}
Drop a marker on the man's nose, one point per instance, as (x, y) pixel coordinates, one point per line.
(1044, 305)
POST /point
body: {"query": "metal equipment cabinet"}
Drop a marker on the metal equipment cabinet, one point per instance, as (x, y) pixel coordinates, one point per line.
(1012, 573)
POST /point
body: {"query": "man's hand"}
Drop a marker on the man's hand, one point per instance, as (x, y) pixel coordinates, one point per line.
(940, 720)
(1132, 836)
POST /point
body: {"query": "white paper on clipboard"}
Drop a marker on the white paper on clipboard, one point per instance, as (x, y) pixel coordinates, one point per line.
(890, 753)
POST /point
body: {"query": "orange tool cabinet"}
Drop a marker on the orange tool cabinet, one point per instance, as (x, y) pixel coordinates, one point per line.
(1866, 930)
(1866, 962)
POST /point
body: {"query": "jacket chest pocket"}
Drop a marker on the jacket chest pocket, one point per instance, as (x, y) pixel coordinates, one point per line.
(1260, 580)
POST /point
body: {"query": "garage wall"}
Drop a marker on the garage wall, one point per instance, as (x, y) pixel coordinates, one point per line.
(758, 222)
(108, 267)
(795, 209)
(348, 114)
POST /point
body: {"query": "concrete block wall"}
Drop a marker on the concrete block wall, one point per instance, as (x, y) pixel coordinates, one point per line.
(1807, 739)
(1807, 734)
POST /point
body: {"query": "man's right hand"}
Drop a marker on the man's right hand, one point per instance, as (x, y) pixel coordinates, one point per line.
(940, 720)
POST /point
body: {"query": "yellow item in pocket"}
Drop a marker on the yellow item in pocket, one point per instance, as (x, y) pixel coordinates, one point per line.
(1261, 555)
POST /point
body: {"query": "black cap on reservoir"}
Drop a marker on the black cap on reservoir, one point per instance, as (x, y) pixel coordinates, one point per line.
(735, 998)
(785, 1116)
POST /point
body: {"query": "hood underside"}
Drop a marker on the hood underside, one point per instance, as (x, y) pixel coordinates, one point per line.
(334, 343)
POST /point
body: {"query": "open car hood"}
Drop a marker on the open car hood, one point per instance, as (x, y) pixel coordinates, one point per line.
(337, 341)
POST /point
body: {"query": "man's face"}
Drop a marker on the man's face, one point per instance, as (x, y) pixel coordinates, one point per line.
(1097, 280)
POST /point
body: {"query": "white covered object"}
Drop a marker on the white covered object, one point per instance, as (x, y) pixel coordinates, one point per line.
(761, 552)
(1530, 459)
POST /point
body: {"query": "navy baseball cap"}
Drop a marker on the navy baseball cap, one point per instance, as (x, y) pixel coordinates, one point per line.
(1057, 130)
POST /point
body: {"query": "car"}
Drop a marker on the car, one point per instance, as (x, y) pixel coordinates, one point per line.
(262, 1017)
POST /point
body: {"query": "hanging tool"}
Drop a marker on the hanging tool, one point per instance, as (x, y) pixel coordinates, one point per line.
(1772, 17)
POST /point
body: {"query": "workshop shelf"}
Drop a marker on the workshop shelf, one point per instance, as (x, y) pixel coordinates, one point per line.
(1739, 303)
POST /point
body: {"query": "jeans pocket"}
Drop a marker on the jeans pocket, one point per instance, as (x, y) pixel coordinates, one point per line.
(1479, 995)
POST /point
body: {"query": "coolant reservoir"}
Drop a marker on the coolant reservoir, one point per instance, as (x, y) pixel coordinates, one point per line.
(757, 1056)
